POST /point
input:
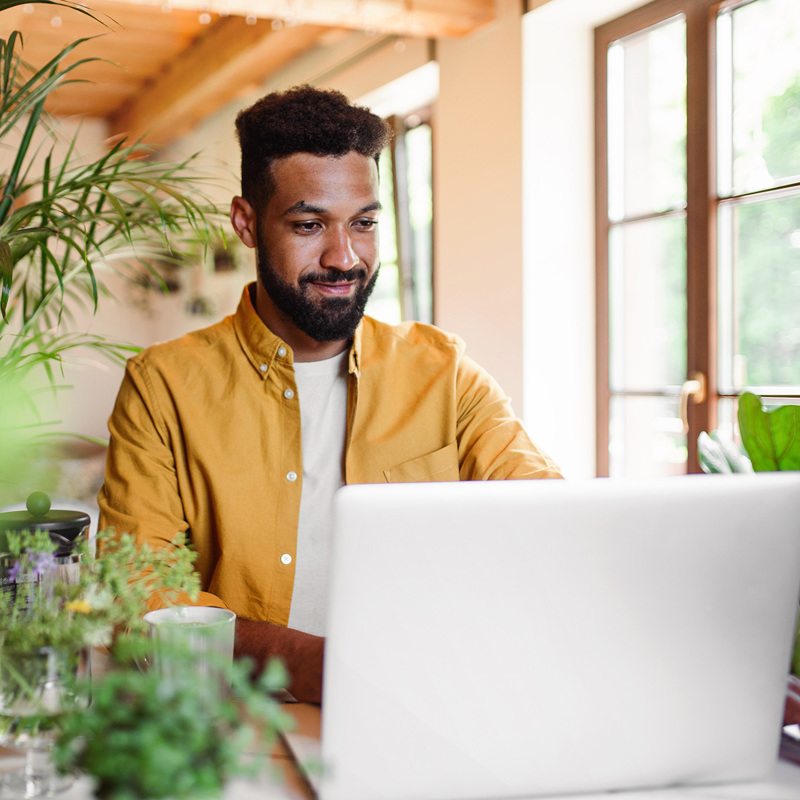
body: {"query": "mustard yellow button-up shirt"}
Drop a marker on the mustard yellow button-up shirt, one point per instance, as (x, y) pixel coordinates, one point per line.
(204, 438)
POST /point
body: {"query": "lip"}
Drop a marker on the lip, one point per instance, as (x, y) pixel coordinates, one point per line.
(339, 289)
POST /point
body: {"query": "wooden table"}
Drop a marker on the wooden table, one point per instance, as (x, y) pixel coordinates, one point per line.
(282, 781)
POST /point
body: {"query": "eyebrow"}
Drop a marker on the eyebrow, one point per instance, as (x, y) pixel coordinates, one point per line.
(306, 208)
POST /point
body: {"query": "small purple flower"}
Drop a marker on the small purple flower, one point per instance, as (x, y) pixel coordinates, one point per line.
(44, 563)
(14, 571)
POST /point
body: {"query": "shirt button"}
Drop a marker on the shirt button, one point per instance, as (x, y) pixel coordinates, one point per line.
(263, 367)
(286, 559)
(281, 351)
(288, 394)
(291, 476)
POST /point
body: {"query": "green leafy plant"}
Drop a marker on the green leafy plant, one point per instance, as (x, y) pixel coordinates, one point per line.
(771, 438)
(144, 737)
(42, 607)
(67, 216)
(52, 614)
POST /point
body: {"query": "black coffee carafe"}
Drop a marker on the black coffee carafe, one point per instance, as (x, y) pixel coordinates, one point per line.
(65, 528)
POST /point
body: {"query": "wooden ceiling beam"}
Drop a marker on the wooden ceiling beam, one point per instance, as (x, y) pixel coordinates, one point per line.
(424, 18)
(226, 61)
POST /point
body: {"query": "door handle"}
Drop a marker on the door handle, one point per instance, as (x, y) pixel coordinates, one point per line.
(694, 388)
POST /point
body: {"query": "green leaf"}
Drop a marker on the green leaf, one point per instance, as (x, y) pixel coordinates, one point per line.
(6, 269)
(771, 438)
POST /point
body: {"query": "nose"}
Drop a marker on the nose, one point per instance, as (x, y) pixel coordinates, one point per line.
(339, 252)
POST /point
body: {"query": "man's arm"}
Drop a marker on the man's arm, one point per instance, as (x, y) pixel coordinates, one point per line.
(300, 652)
(140, 492)
(492, 442)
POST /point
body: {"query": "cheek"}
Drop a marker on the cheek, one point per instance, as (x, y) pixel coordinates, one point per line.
(368, 251)
(289, 256)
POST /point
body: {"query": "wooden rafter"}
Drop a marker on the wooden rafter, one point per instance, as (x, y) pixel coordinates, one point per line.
(230, 58)
(164, 65)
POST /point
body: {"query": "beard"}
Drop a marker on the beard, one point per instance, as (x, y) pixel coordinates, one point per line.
(324, 319)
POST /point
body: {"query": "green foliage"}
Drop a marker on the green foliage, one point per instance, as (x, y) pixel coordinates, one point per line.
(771, 438)
(50, 609)
(144, 737)
(781, 128)
(65, 217)
(767, 292)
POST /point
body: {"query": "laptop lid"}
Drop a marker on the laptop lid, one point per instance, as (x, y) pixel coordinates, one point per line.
(513, 638)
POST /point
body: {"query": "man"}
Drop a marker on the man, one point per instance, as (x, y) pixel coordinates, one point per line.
(241, 433)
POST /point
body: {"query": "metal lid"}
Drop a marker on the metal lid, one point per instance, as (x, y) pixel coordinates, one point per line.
(63, 526)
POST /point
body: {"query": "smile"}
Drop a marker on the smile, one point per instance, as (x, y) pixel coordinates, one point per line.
(338, 289)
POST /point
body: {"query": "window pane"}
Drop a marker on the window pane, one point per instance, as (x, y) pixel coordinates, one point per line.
(727, 423)
(647, 286)
(646, 437)
(759, 291)
(420, 180)
(759, 113)
(647, 121)
(384, 304)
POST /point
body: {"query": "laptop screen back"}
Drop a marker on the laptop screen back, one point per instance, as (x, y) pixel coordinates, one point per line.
(512, 638)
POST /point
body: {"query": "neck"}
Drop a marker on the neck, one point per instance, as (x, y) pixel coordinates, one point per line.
(304, 348)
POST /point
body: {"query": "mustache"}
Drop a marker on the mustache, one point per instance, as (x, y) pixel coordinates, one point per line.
(335, 276)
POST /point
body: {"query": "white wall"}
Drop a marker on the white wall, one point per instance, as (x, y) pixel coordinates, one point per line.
(558, 168)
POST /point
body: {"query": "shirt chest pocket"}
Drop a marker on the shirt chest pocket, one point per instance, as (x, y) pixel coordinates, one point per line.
(441, 465)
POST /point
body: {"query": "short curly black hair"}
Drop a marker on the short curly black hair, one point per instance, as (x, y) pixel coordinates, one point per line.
(303, 119)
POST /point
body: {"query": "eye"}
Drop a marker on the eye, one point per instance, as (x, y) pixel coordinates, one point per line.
(366, 224)
(306, 226)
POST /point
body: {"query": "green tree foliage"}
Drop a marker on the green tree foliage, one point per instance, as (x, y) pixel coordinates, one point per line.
(781, 123)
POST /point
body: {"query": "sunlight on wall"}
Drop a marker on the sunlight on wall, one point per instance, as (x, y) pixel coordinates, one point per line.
(558, 239)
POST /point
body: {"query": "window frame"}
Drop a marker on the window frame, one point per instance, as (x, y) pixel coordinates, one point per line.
(701, 210)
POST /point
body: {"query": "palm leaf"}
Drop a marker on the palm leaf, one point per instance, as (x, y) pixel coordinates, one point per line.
(121, 209)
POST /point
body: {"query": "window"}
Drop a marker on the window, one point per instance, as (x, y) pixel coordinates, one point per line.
(698, 224)
(404, 288)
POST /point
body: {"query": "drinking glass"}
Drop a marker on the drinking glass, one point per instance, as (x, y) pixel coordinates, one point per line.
(198, 638)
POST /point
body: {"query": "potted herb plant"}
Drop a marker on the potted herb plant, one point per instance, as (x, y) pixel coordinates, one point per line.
(143, 738)
(51, 618)
(770, 440)
(140, 736)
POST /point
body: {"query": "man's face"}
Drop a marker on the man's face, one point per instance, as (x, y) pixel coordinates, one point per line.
(317, 243)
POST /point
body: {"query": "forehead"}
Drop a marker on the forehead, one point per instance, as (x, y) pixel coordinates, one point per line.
(324, 181)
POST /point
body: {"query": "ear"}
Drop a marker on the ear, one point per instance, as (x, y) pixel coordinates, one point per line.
(243, 219)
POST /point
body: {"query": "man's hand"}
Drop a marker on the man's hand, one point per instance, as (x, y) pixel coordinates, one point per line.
(300, 652)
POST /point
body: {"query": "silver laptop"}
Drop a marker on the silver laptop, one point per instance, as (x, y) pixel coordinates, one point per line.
(510, 639)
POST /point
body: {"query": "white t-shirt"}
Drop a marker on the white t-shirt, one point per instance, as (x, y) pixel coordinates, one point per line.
(322, 393)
